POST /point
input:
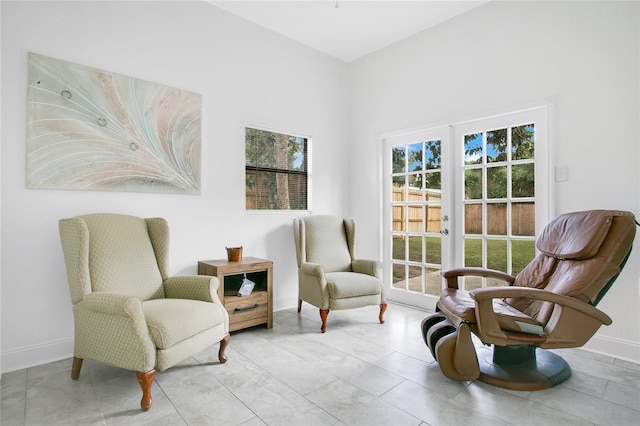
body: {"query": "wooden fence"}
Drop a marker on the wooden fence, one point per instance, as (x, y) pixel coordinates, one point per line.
(523, 221)
(432, 213)
(522, 215)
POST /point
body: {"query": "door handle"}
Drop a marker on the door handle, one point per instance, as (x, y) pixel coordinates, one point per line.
(445, 231)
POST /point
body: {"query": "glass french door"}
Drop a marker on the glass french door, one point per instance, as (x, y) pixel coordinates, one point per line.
(471, 194)
(416, 215)
(503, 192)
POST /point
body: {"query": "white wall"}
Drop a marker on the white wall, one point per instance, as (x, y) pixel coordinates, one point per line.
(246, 75)
(581, 58)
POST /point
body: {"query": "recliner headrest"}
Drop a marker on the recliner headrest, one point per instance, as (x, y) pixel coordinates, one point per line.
(576, 235)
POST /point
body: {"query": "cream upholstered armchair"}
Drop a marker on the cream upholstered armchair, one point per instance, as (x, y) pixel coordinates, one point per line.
(330, 276)
(127, 311)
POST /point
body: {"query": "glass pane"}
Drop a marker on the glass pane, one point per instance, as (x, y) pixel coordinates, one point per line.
(414, 193)
(473, 219)
(398, 218)
(432, 155)
(415, 218)
(472, 259)
(271, 191)
(434, 252)
(415, 278)
(297, 191)
(523, 219)
(251, 189)
(414, 182)
(398, 159)
(415, 249)
(497, 145)
(434, 282)
(433, 218)
(398, 186)
(275, 150)
(259, 146)
(497, 255)
(296, 151)
(473, 252)
(497, 219)
(398, 276)
(497, 182)
(260, 190)
(282, 200)
(473, 184)
(522, 180)
(473, 148)
(433, 184)
(399, 249)
(522, 252)
(415, 156)
(522, 142)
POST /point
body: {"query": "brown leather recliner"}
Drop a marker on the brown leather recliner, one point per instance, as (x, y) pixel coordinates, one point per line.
(549, 304)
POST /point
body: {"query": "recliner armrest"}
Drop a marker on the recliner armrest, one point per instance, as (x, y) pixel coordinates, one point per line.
(452, 275)
(369, 267)
(481, 294)
(312, 269)
(112, 304)
(196, 287)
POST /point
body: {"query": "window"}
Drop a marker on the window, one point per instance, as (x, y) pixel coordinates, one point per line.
(276, 167)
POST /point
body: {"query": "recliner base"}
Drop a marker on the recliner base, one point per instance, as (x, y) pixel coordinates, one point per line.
(522, 368)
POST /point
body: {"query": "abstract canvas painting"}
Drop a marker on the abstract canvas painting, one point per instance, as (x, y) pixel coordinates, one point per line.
(89, 129)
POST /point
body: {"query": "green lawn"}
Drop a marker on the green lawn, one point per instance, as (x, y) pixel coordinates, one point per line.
(522, 252)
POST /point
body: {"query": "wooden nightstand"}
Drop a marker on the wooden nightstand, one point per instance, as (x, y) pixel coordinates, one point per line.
(244, 311)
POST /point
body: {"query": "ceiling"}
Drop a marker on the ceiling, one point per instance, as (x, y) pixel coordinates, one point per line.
(347, 29)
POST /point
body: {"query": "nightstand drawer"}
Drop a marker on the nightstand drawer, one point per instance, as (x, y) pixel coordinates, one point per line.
(247, 311)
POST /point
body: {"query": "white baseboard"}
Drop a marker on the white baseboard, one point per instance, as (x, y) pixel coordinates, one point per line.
(617, 348)
(30, 356)
(282, 304)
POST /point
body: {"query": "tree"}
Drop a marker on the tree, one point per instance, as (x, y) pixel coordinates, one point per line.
(282, 163)
(522, 175)
(432, 179)
(397, 159)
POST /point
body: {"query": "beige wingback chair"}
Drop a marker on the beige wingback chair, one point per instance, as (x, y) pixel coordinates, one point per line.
(330, 276)
(127, 311)
(550, 304)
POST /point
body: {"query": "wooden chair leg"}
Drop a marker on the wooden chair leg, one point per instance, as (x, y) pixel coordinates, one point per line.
(145, 380)
(223, 346)
(299, 305)
(383, 308)
(76, 365)
(324, 313)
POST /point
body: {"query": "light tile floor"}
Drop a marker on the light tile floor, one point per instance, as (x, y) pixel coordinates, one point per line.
(358, 373)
